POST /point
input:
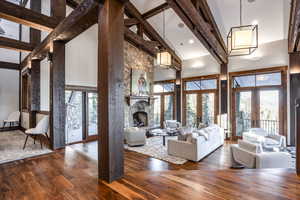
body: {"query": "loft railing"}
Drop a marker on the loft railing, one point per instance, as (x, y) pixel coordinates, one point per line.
(270, 126)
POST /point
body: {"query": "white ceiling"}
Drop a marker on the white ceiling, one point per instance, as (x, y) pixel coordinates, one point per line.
(177, 38)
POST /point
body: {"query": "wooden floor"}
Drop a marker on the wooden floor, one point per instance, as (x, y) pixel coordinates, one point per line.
(70, 174)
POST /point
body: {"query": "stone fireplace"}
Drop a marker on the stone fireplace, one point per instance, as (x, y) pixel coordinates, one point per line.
(139, 111)
(140, 119)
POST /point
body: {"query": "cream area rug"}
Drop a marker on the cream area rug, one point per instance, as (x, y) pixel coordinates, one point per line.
(154, 148)
(11, 147)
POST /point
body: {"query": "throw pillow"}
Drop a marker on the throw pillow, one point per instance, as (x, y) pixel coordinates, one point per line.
(201, 125)
(191, 137)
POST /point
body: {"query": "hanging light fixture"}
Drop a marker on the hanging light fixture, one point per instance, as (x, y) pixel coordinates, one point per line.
(242, 40)
(164, 58)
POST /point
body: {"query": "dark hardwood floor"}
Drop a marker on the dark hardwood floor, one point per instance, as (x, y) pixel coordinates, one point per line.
(70, 174)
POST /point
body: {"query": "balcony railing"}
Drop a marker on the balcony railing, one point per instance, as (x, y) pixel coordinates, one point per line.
(270, 126)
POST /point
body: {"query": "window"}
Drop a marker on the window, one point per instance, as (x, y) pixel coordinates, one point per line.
(255, 80)
(163, 87)
(206, 84)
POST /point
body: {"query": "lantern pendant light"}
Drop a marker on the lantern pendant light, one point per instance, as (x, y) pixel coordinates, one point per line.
(164, 58)
(242, 40)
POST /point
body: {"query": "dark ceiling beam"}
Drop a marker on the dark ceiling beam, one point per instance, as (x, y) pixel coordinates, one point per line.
(294, 27)
(7, 65)
(81, 18)
(156, 11)
(16, 45)
(21, 15)
(131, 11)
(72, 3)
(138, 41)
(131, 21)
(194, 19)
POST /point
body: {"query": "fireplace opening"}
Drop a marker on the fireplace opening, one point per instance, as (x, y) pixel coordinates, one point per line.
(140, 119)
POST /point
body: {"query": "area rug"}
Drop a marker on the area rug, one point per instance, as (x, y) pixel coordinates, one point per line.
(11, 147)
(155, 149)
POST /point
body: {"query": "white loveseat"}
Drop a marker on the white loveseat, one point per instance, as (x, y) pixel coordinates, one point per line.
(251, 155)
(198, 144)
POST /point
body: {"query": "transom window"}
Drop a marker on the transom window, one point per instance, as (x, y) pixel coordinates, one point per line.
(207, 84)
(256, 80)
(163, 87)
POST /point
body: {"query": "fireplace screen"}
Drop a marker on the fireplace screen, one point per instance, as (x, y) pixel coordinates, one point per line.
(140, 119)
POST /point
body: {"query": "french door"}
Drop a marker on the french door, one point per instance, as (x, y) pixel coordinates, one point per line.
(164, 108)
(200, 107)
(257, 107)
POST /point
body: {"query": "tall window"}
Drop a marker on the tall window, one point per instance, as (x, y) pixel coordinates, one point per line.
(200, 100)
(163, 102)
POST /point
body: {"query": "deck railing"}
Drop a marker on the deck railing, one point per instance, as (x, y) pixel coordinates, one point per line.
(270, 126)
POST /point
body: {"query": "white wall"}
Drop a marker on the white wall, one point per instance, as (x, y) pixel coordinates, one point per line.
(82, 59)
(9, 93)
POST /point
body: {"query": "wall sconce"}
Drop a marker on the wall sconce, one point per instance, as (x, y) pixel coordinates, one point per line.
(178, 82)
(49, 57)
(223, 77)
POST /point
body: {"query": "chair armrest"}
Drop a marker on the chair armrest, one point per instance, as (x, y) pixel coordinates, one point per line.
(273, 160)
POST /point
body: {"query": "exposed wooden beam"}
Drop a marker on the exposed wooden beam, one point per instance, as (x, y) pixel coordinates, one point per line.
(72, 3)
(17, 45)
(131, 21)
(294, 27)
(178, 95)
(21, 15)
(192, 17)
(8, 65)
(156, 10)
(83, 17)
(132, 11)
(147, 46)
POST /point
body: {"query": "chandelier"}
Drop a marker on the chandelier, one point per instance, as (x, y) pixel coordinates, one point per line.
(163, 57)
(242, 40)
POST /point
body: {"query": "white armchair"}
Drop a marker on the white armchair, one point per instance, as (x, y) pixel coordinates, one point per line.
(135, 136)
(172, 127)
(251, 155)
(12, 118)
(40, 130)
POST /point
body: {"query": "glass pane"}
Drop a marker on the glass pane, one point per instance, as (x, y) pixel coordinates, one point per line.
(193, 85)
(191, 110)
(92, 114)
(209, 84)
(73, 116)
(268, 79)
(158, 88)
(168, 114)
(269, 111)
(208, 109)
(169, 87)
(243, 112)
(244, 81)
(157, 110)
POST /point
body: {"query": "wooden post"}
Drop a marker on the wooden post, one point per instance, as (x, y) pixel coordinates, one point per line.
(110, 90)
(57, 96)
(294, 69)
(35, 39)
(178, 90)
(223, 89)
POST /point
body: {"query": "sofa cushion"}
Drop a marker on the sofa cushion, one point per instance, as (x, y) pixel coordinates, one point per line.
(251, 147)
(202, 133)
(270, 141)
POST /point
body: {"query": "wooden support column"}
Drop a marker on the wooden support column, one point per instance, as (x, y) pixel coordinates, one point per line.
(295, 105)
(35, 39)
(178, 94)
(223, 89)
(110, 90)
(57, 96)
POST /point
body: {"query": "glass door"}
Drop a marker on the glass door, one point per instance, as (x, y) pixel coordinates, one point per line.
(157, 110)
(191, 110)
(243, 112)
(168, 107)
(208, 108)
(92, 99)
(74, 116)
(269, 111)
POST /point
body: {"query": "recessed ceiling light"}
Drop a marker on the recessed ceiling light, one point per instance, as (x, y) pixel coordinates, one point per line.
(191, 41)
(181, 25)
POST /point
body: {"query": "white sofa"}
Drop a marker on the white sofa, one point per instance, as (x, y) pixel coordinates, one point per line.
(198, 144)
(135, 136)
(251, 155)
(258, 135)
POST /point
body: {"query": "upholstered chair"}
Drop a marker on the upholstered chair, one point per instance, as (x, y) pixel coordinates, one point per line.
(12, 118)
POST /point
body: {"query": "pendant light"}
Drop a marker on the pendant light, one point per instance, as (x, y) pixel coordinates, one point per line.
(242, 40)
(164, 58)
